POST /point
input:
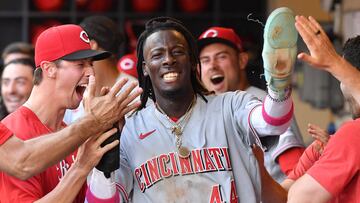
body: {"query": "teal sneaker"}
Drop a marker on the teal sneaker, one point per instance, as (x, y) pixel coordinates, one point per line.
(279, 51)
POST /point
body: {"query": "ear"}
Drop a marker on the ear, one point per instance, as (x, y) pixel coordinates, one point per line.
(243, 60)
(94, 45)
(145, 69)
(49, 69)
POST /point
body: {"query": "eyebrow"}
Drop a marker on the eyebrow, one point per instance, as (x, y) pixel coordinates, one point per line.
(162, 48)
(218, 53)
(17, 78)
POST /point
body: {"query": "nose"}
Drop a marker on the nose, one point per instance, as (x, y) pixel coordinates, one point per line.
(213, 63)
(169, 60)
(89, 70)
(10, 88)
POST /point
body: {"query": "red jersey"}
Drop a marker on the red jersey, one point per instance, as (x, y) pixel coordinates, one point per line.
(26, 125)
(338, 168)
(5, 133)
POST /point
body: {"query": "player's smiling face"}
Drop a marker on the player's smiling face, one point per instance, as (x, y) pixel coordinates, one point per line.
(167, 62)
(73, 77)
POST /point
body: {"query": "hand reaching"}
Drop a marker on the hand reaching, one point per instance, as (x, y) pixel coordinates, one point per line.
(320, 135)
(90, 153)
(112, 104)
(322, 52)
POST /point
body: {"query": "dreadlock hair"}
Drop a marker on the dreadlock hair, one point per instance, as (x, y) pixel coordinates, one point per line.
(167, 23)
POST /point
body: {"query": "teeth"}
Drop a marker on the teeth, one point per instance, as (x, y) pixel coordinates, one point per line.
(13, 99)
(216, 76)
(83, 85)
(170, 76)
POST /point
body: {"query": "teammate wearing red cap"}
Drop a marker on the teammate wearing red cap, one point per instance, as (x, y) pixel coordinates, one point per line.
(23, 159)
(64, 65)
(223, 68)
(104, 35)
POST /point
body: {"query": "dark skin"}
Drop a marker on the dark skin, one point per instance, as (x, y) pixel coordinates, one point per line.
(167, 63)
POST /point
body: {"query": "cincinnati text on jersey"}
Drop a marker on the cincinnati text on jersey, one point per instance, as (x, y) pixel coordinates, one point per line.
(167, 165)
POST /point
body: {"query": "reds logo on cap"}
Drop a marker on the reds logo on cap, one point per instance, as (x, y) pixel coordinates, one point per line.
(210, 33)
(127, 64)
(84, 36)
(222, 35)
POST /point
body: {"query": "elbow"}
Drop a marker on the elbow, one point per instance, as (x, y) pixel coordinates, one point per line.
(22, 167)
(21, 170)
(278, 129)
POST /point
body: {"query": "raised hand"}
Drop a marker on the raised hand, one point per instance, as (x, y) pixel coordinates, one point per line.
(90, 153)
(113, 103)
(322, 52)
(320, 135)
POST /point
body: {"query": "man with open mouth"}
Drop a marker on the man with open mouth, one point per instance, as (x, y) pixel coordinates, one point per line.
(63, 60)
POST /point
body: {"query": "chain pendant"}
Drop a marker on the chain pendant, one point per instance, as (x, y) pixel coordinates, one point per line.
(184, 152)
(176, 130)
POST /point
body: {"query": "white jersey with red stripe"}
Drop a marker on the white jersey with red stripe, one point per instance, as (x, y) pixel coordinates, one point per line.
(221, 166)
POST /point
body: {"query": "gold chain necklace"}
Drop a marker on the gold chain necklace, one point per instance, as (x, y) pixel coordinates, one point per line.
(178, 127)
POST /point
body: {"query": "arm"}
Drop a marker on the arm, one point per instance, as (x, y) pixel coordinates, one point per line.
(289, 158)
(271, 191)
(323, 55)
(307, 189)
(89, 155)
(46, 150)
(332, 175)
(275, 114)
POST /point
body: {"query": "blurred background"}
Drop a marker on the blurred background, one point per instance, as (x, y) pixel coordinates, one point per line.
(317, 97)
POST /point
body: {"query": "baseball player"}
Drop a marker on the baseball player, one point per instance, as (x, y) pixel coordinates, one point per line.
(223, 68)
(23, 159)
(64, 64)
(104, 35)
(188, 146)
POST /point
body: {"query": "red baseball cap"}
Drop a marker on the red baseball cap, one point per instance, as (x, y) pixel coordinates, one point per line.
(68, 42)
(222, 35)
(127, 64)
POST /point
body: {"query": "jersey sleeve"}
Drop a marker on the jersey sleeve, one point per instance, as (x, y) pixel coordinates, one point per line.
(5, 133)
(273, 117)
(237, 107)
(289, 139)
(339, 163)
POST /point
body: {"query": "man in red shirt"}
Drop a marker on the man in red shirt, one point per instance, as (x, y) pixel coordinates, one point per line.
(24, 159)
(64, 65)
(336, 175)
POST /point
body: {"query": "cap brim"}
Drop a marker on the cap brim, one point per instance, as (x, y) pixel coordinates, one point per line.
(88, 53)
(206, 41)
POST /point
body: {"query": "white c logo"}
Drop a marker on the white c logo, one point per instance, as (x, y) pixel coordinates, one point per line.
(127, 64)
(84, 37)
(210, 33)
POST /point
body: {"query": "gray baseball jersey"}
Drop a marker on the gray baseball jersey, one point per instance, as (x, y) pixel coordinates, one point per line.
(276, 145)
(221, 166)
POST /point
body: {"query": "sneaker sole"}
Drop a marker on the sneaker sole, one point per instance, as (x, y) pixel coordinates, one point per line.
(280, 38)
